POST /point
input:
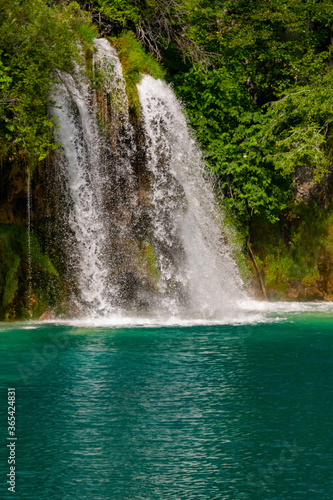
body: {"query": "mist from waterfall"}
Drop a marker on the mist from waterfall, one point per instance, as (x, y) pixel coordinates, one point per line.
(143, 230)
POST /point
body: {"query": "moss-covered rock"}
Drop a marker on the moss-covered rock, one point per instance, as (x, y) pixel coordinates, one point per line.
(296, 255)
(28, 279)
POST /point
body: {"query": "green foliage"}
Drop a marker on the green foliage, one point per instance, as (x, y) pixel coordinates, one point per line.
(268, 44)
(298, 127)
(135, 62)
(263, 51)
(288, 252)
(124, 11)
(159, 24)
(228, 127)
(36, 40)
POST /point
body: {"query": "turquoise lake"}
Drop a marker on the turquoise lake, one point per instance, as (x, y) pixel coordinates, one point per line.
(231, 412)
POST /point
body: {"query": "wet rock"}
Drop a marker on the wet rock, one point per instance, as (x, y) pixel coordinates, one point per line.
(307, 190)
(48, 315)
(6, 214)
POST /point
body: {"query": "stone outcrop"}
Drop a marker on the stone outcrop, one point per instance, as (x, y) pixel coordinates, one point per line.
(309, 191)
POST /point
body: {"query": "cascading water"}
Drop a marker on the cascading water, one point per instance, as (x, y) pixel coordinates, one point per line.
(79, 162)
(145, 231)
(107, 61)
(29, 242)
(185, 216)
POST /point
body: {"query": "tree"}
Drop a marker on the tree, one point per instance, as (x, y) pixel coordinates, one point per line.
(36, 40)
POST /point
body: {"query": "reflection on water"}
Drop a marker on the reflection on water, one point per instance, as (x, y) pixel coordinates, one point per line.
(203, 412)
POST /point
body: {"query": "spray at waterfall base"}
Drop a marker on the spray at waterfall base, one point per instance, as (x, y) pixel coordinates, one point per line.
(142, 232)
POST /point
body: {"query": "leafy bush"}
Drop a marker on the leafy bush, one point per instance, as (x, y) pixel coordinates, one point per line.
(298, 127)
(36, 40)
(287, 251)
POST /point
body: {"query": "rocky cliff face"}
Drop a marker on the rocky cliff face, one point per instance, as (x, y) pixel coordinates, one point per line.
(28, 279)
(297, 255)
(126, 197)
(131, 254)
(309, 191)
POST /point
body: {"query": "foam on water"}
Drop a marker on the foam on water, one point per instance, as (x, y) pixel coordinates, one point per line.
(249, 312)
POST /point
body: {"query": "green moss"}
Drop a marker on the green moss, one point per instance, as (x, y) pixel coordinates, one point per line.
(9, 264)
(290, 251)
(148, 262)
(278, 266)
(86, 32)
(14, 270)
(88, 57)
(11, 281)
(135, 62)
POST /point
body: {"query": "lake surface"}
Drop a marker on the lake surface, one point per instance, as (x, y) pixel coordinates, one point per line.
(170, 412)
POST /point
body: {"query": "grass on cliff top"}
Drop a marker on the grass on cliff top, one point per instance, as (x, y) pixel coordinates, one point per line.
(135, 62)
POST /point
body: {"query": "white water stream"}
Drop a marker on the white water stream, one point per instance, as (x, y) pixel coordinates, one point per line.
(208, 270)
(79, 161)
(197, 274)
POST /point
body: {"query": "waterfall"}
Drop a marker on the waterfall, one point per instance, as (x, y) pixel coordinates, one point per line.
(29, 254)
(143, 232)
(107, 61)
(79, 161)
(185, 215)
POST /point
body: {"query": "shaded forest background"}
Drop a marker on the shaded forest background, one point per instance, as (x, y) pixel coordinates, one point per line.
(256, 81)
